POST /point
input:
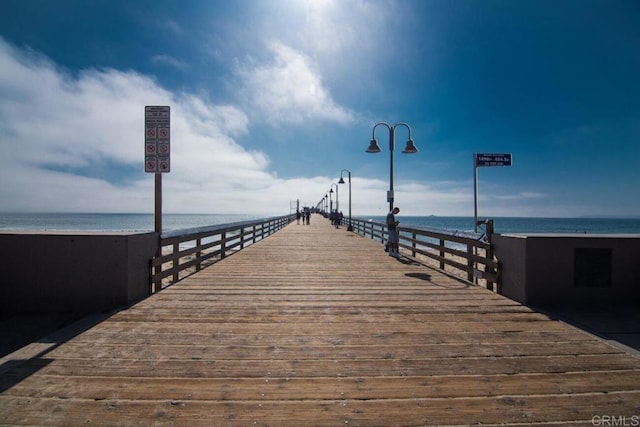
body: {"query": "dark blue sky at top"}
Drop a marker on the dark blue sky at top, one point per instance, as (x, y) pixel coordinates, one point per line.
(523, 61)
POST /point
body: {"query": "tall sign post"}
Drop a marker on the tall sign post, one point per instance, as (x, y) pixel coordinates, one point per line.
(157, 139)
(485, 160)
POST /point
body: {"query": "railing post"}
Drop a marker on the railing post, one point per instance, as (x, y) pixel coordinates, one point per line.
(470, 263)
(223, 244)
(254, 233)
(489, 254)
(442, 253)
(413, 244)
(175, 261)
(154, 286)
(198, 254)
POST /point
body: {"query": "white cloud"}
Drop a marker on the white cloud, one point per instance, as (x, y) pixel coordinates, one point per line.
(289, 89)
(75, 143)
(440, 198)
(170, 61)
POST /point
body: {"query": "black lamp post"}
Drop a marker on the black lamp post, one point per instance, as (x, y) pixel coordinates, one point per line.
(349, 228)
(337, 201)
(374, 148)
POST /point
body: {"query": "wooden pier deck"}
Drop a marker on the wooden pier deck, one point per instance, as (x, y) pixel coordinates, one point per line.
(318, 326)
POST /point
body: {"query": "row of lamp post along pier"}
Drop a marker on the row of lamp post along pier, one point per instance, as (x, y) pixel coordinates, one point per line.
(375, 148)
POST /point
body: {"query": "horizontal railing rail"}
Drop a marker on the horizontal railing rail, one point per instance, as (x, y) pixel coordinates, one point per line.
(183, 252)
(463, 251)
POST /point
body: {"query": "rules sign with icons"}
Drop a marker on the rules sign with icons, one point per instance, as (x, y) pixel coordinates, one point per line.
(157, 135)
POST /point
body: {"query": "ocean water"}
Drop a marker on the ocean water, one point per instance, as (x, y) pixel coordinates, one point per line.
(112, 222)
(524, 225)
(145, 222)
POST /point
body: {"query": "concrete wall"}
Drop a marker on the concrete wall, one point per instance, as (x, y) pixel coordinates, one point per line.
(561, 268)
(73, 272)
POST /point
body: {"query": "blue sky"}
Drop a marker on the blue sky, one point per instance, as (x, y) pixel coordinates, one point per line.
(272, 99)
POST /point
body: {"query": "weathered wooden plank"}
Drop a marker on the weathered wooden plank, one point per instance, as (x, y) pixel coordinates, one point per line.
(322, 388)
(314, 351)
(375, 412)
(311, 315)
(393, 339)
(331, 328)
(171, 366)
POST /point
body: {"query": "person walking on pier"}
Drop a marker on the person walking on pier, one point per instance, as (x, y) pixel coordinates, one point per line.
(392, 228)
(298, 215)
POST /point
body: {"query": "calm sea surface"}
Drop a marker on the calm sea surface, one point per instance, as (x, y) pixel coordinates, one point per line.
(112, 222)
(525, 225)
(144, 222)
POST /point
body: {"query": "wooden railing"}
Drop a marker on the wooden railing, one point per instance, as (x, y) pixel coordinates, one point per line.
(184, 252)
(456, 251)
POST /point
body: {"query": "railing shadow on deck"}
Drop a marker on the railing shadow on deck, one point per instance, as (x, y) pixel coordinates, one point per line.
(187, 251)
(32, 357)
(460, 251)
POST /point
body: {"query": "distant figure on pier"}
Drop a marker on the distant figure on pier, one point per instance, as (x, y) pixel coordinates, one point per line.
(298, 215)
(392, 228)
(333, 218)
(307, 215)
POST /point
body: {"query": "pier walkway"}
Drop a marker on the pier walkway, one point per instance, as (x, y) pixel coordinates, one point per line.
(318, 326)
